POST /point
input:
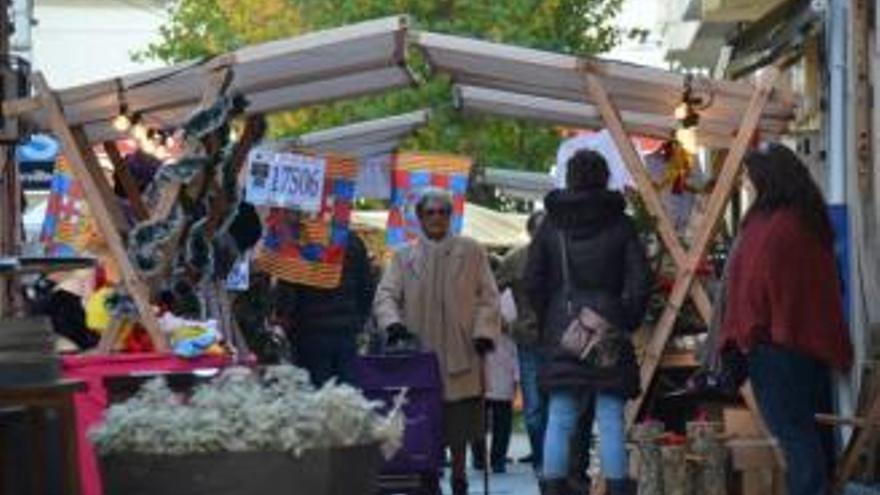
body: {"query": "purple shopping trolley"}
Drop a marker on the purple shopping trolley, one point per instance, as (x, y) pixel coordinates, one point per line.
(416, 467)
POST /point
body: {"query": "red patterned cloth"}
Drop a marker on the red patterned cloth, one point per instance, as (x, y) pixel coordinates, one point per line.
(310, 250)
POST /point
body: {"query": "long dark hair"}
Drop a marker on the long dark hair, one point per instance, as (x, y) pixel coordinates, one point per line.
(781, 180)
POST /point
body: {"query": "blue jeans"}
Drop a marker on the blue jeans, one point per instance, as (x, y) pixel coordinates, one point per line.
(326, 355)
(790, 389)
(565, 406)
(534, 401)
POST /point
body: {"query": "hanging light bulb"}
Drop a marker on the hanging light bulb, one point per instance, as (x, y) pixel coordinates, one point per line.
(139, 131)
(688, 139)
(149, 147)
(157, 137)
(681, 111)
(122, 123)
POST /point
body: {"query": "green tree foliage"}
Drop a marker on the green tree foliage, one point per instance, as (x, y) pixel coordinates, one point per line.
(581, 27)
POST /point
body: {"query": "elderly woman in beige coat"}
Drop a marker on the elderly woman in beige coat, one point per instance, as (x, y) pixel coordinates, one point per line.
(442, 290)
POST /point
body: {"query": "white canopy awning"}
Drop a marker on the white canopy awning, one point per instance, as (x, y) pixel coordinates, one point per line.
(525, 83)
(314, 68)
(367, 138)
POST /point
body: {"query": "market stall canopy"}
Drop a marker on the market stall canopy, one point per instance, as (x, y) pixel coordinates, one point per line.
(315, 68)
(488, 227)
(522, 184)
(532, 84)
(368, 138)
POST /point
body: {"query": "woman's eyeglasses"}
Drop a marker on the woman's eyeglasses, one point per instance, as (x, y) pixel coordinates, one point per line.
(436, 212)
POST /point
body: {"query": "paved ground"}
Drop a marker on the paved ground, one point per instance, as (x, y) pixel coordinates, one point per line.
(519, 479)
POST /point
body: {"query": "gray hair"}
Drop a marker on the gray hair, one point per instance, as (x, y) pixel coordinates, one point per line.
(434, 194)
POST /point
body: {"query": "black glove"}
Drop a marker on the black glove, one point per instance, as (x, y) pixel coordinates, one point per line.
(483, 345)
(397, 332)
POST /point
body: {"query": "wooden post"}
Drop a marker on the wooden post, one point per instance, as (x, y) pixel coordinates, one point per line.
(126, 181)
(714, 211)
(99, 176)
(862, 437)
(10, 228)
(648, 192)
(100, 210)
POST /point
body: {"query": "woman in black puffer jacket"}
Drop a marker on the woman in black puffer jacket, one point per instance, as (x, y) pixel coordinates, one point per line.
(609, 273)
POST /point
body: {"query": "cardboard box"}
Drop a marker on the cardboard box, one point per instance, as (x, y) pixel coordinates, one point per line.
(756, 465)
(740, 423)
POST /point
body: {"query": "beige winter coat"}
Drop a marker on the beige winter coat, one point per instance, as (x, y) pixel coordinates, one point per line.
(445, 293)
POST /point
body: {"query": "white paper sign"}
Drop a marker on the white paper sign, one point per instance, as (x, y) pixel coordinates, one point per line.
(286, 180)
(259, 177)
(239, 278)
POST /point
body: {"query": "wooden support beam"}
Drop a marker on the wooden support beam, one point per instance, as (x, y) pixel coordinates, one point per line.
(99, 180)
(123, 175)
(99, 209)
(714, 212)
(666, 229)
(10, 229)
(857, 422)
(862, 438)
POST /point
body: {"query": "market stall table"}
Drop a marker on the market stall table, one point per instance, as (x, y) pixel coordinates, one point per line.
(91, 401)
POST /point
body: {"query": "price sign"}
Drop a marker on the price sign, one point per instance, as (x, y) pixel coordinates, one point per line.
(286, 180)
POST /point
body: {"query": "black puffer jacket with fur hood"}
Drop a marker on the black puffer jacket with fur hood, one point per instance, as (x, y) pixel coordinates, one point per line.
(609, 272)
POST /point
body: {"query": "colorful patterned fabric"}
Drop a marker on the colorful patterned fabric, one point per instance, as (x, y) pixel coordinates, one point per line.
(67, 225)
(310, 250)
(414, 172)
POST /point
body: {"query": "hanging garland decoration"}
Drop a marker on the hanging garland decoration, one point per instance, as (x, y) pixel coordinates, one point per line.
(697, 95)
(181, 247)
(678, 176)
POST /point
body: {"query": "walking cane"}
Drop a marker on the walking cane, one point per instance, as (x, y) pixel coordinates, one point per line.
(485, 453)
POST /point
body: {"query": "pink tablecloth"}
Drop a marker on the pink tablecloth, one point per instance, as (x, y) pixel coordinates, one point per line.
(90, 404)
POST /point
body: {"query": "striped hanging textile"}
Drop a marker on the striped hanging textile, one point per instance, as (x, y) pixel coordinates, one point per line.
(413, 172)
(310, 250)
(67, 227)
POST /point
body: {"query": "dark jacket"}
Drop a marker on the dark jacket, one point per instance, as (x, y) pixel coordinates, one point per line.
(609, 272)
(511, 274)
(344, 309)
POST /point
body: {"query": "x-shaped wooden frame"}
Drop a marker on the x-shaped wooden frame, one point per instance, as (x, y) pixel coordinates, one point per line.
(687, 260)
(104, 207)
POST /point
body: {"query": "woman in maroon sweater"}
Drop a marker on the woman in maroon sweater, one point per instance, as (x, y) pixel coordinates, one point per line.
(784, 309)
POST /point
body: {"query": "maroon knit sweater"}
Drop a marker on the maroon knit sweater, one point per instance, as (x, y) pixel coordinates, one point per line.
(783, 288)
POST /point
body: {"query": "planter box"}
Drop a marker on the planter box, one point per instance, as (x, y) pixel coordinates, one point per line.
(341, 471)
